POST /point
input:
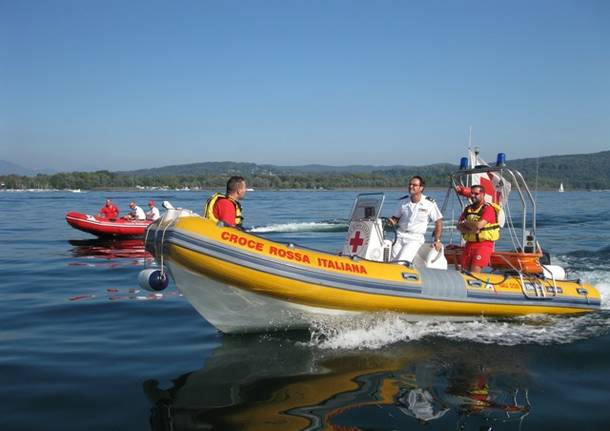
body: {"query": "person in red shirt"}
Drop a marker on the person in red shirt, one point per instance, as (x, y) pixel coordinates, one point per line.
(109, 211)
(479, 227)
(226, 208)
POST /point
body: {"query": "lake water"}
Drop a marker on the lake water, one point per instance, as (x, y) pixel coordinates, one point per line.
(82, 348)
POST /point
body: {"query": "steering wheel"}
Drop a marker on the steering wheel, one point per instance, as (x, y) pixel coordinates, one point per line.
(392, 226)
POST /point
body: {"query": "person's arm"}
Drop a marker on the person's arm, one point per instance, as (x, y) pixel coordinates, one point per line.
(488, 216)
(473, 226)
(395, 218)
(438, 234)
(465, 226)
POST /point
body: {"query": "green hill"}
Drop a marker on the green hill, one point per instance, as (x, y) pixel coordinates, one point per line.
(576, 172)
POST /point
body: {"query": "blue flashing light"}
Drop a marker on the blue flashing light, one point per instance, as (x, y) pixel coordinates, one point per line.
(463, 163)
(501, 160)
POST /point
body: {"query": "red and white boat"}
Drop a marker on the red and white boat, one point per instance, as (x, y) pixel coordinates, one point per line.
(104, 227)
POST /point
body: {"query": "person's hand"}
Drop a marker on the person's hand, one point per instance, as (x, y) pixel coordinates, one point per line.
(438, 246)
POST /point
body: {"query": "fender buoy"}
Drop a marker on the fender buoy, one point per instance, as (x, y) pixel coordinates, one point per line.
(153, 280)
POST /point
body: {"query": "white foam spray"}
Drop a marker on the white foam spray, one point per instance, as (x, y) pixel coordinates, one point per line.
(372, 332)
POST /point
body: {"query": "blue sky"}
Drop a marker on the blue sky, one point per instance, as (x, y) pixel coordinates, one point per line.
(129, 84)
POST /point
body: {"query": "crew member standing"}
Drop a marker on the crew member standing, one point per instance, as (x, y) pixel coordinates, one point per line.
(413, 214)
(226, 208)
(480, 229)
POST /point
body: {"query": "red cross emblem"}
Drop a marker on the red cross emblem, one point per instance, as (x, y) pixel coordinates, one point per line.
(356, 242)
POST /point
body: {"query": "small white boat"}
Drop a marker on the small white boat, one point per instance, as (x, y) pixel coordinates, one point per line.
(560, 190)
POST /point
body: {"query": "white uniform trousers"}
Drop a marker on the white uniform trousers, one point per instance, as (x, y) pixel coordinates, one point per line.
(406, 246)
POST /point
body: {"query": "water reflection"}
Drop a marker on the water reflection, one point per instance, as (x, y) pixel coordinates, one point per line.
(110, 248)
(251, 383)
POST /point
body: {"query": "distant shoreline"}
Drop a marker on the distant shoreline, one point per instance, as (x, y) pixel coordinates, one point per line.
(576, 172)
(265, 189)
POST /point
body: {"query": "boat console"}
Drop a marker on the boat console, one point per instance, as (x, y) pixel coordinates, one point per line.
(365, 236)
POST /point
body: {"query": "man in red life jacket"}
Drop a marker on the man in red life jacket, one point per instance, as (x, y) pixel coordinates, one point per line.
(480, 229)
(226, 208)
(109, 210)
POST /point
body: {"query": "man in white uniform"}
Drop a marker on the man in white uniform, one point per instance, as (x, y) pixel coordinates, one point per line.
(413, 215)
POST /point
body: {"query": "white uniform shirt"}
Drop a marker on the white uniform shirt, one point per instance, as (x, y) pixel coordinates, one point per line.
(138, 213)
(153, 214)
(413, 218)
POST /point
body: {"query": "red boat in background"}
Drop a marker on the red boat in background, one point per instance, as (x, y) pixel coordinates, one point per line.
(103, 227)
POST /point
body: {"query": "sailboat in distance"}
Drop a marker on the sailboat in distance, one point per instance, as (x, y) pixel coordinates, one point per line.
(560, 190)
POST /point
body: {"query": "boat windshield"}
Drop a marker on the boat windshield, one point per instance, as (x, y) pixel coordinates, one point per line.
(367, 206)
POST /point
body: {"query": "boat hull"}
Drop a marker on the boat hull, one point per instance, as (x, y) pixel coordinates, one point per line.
(107, 228)
(234, 310)
(241, 282)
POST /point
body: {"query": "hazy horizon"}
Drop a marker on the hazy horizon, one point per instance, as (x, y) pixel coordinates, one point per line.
(489, 158)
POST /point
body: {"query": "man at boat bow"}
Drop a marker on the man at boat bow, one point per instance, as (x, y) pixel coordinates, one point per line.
(226, 207)
(109, 211)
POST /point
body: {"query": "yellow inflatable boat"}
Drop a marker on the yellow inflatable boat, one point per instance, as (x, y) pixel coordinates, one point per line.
(241, 282)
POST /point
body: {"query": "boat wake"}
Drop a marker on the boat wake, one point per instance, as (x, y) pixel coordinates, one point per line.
(324, 226)
(587, 261)
(546, 220)
(372, 332)
(590, 266)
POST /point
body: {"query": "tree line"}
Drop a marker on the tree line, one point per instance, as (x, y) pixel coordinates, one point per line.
(576, 172)
(109, 180)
